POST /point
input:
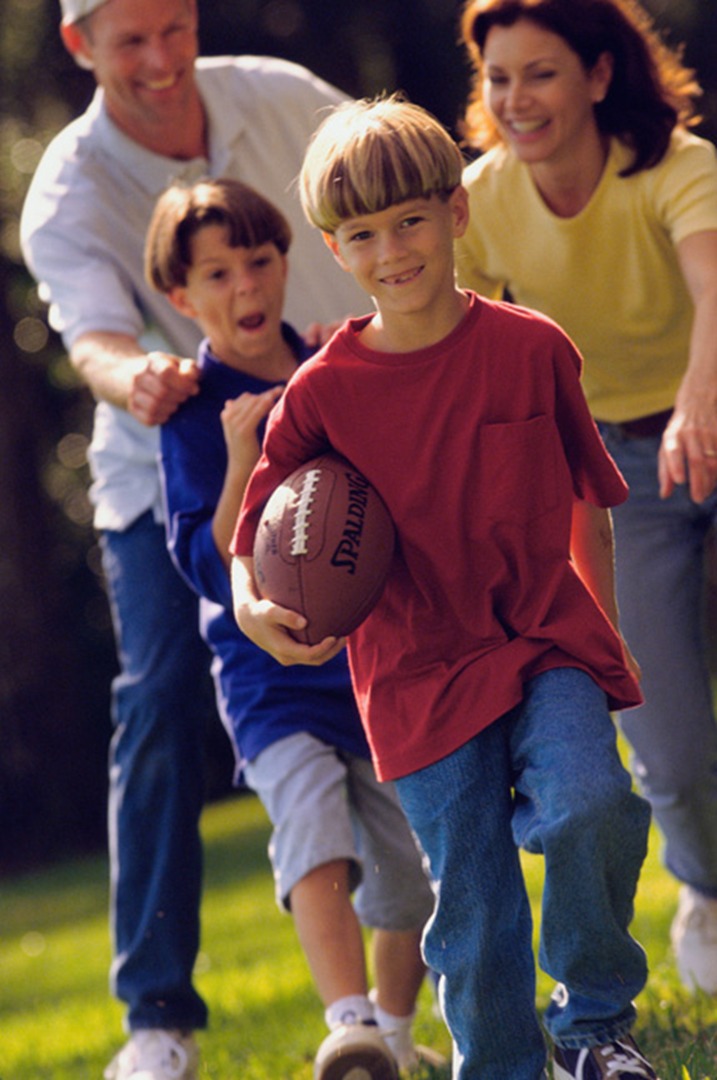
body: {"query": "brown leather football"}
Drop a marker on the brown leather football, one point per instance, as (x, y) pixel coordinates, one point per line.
(324, 546)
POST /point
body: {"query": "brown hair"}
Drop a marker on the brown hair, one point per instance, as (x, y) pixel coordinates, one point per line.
(371, 154)
(251, 220)
(650, 92)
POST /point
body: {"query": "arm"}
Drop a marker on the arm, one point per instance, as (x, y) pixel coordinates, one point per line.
(592, 552)
(151, 386)
(689, 445)
(268, 625)
(240, 419)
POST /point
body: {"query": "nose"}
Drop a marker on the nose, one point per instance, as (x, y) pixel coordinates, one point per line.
(516, 95)
(158, 53)
(390, 246)
(244, 282)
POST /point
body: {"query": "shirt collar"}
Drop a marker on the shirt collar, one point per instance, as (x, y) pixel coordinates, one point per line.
(302, 351)
(154, 172)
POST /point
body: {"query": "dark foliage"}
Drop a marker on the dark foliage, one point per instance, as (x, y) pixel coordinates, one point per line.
(56, 650)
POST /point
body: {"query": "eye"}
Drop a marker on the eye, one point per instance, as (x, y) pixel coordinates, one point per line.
(413, 220)
(261, 261)
(359, 235)
(130, 43)
(497, 80)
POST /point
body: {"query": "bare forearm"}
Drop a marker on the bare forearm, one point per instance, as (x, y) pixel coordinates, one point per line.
(108, 364)
(227, 511)
(592, 551)
(150, 386)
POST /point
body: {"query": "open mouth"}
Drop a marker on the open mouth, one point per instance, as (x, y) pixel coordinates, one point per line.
(252, 322)
(158, 85)
(527, 127)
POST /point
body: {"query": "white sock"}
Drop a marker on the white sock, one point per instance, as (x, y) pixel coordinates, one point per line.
(396, 1031)
(353, 1009)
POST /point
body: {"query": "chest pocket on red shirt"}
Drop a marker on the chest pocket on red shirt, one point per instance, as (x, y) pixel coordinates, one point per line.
(521, 471)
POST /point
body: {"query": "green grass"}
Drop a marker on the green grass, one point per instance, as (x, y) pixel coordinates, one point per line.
(57, 1020)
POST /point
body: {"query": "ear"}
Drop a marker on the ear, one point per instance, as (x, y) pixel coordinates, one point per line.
(76, 44)
(180, 301)
(332, 245)
(460, 211)
(601, 76)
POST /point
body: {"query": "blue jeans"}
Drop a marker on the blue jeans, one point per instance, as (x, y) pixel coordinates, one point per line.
(546, 777)
(156, 781)
(660, 580)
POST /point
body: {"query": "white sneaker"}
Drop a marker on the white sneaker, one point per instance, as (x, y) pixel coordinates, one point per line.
(156, 1054)
(355, 1052)
(694, 939)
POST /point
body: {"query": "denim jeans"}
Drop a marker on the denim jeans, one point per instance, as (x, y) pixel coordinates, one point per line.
(156, 781)
(546, 777)
(659, 547)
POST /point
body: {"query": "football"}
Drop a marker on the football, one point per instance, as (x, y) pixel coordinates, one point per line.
(324, 547)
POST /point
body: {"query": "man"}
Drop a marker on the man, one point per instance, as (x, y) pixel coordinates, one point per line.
(158, 114)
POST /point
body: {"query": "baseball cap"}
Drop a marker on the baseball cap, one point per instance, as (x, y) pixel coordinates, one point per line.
(72, 10)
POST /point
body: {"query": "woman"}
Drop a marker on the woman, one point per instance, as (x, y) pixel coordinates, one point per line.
(594, 204)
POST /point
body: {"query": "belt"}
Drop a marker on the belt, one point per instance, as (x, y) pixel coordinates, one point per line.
(644, 427)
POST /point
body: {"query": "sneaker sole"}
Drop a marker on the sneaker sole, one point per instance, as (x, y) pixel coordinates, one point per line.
(357, 1063)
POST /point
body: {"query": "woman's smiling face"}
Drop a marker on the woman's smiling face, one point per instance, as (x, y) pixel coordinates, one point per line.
(539, 93)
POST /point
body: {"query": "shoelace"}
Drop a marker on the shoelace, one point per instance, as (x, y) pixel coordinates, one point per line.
(160, 1051)
(624, 1059)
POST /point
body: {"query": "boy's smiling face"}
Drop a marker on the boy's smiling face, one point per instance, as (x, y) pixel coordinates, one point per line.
(236, 294)
(403, 256)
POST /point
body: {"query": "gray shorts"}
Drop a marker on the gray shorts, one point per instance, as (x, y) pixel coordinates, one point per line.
(326, 804)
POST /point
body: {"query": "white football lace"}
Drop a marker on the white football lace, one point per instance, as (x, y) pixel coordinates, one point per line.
(300, 534)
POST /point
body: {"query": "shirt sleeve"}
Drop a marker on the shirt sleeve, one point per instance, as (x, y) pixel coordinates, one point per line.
(686, 187)
(191, 485)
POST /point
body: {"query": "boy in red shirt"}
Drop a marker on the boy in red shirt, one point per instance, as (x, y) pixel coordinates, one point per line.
(486, 673)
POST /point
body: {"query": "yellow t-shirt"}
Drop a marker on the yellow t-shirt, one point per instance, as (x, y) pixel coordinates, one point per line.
(609, 276)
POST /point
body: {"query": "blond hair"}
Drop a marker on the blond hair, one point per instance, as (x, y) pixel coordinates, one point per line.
(371, 154)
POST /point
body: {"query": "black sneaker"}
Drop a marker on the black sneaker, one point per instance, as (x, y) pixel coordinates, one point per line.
(618, 1060)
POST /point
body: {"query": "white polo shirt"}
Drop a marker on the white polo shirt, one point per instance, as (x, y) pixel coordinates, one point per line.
(86, 215)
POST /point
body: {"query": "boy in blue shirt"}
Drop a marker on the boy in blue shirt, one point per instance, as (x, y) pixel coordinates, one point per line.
(218, 251)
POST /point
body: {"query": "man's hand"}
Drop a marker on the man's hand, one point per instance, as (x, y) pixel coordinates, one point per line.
(161, 385)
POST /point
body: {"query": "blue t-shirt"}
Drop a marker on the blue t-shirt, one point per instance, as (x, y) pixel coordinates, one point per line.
(260, 701)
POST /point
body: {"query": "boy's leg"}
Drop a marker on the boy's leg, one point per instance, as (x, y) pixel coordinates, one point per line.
(574, 804)
(330, 933)
(480, 936)
(396, 900)
(398, 969)
(302, 784)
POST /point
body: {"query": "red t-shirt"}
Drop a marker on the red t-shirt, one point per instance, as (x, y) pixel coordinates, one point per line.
(478, 445)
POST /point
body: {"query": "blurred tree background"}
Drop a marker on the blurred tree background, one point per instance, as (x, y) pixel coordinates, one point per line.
(56, 648)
